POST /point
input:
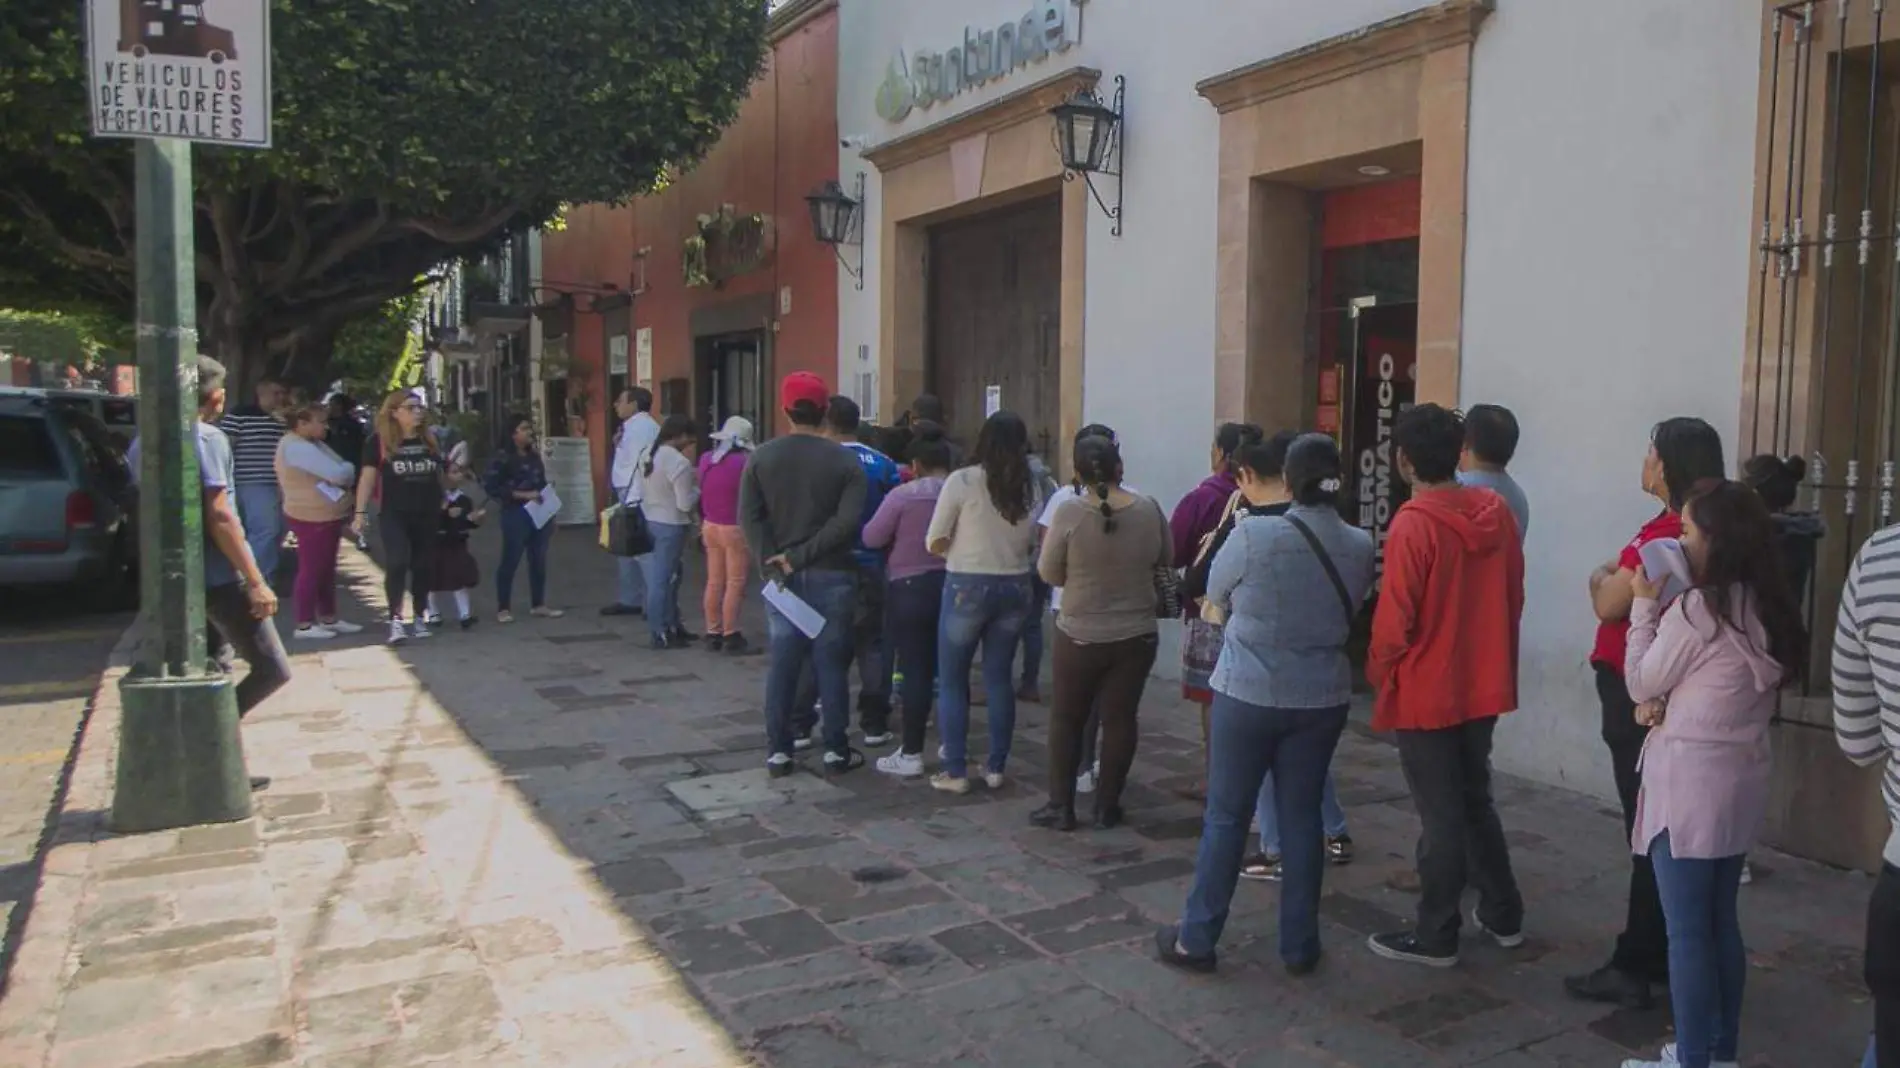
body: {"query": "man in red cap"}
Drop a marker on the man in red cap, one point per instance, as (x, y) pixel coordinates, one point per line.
(800, 503)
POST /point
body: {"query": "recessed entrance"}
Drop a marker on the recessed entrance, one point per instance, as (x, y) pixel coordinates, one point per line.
(1368, 339)
(729, 373)
(994, 285)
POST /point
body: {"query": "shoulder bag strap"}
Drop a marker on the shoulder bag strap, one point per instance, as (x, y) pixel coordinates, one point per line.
(1326, 561)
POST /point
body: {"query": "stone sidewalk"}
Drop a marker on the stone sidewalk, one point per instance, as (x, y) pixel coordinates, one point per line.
(546, 845)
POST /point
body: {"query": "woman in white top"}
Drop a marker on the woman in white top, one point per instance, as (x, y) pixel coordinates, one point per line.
(984, 527)
(315, 483)
(669, 493)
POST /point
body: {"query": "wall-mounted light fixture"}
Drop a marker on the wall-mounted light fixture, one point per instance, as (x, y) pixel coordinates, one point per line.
(1089, 137)
(836, 220)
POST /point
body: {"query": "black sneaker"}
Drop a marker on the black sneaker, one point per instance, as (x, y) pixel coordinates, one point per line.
(736, 645)
(1612, 986)
(468, 622)
(841, 763)
(1168, 951)
(684, 636)
(1339, 849)
(716, 642)
(779, 765)
(260, 783)
(1300, 969)
(1261, 868)
(1405, 946)
(1108, 817)
(621, 610)
(662, 643)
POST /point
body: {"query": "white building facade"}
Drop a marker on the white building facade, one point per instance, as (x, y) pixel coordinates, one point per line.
(1330, 209)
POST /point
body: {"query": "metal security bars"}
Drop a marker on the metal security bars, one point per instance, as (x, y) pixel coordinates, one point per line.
(1820, 378)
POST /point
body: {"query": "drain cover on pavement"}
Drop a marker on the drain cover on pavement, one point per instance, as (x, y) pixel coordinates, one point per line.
(715, 797)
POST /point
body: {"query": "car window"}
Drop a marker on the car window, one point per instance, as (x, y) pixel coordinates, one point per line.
(27, 449)
(103, 452)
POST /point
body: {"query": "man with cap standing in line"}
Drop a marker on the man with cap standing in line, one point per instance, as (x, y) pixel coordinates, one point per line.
(800, 502)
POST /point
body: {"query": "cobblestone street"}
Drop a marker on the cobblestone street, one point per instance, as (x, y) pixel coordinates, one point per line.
(546, 845)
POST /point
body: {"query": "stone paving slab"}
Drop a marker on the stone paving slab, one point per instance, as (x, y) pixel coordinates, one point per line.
(481, 850)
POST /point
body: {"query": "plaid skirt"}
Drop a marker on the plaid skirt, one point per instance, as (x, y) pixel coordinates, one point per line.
(1200, 648)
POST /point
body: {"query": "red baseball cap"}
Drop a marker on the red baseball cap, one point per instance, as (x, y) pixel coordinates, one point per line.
(803, 386)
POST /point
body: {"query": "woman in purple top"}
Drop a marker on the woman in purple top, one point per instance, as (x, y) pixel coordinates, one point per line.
(1706, 670)
(720, 470)
(1195, 520)
(914, 599)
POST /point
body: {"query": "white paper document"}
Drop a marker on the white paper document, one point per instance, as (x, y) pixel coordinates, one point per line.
(544, 508)
(333, 493)
(809, 621)
(1667, 567)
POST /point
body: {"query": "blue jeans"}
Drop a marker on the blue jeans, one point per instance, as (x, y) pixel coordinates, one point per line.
(1871, 1060)
(835, 595)
(260, 508)
(519, 537)
(660, 570)
(1245, 744)
(1031, 677)
(632, 586)
(1707, 961)
(1332, 817)
(989, 610)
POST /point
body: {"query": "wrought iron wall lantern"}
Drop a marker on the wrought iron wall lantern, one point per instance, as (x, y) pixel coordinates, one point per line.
(836, 220)
(1088, 135)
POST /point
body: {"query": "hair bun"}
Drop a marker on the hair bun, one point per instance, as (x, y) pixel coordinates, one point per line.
(1796, 467)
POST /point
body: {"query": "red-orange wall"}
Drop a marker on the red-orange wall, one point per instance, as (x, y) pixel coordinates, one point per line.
(783, 145)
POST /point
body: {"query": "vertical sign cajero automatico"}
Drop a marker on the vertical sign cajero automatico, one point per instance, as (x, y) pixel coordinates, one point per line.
(178, 69)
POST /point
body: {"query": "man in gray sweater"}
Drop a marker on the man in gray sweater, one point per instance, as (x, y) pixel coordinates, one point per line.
(800, 502)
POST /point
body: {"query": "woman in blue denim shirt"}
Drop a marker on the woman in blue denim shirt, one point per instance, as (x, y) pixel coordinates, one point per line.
(984, 527)
(516, 476)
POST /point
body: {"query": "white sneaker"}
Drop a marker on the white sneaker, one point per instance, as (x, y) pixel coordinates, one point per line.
(1748, 873)
(949, 784)
(315, 632)
(1085, 783)
(1512, 941)
(1667, 1059)
(993, 780)
(432, 618)
(902, 765)
(342, 626)
(943, 754)
(397, 632)
(420, 629)
(802, 744)
(878, 741)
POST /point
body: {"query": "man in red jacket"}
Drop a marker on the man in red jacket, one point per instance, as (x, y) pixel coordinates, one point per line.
(1444, 662)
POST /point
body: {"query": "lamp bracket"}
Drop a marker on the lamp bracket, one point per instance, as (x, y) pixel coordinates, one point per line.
(854, 236)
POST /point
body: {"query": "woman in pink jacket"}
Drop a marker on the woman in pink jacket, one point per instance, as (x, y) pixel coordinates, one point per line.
(1704, 670)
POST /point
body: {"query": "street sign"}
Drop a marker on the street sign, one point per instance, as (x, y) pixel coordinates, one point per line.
(191, 70)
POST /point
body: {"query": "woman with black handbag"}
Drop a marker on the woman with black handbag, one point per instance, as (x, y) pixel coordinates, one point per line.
(1282, 685)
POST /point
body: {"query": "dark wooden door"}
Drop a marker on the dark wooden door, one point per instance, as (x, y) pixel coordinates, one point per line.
(995, 285)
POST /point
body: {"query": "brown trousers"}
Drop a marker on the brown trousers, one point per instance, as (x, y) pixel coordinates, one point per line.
(1105, 678)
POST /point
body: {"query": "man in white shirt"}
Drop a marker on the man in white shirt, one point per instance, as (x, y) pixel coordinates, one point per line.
(639, 431)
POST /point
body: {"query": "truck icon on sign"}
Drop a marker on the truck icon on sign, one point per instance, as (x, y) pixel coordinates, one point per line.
(172, 28)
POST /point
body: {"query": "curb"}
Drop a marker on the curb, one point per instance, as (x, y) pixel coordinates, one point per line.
(43, 963)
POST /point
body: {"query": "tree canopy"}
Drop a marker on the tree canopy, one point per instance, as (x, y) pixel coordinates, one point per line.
(406, 133)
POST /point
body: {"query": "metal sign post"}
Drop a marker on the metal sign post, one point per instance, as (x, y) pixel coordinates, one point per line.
(162, 72)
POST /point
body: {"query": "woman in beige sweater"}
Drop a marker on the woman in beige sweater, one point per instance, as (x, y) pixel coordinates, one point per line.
(315, 482)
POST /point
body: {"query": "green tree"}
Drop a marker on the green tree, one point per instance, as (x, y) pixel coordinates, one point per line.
(82, 339)
(372, 348)
(407, 133)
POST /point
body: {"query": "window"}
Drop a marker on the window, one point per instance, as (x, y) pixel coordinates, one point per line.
(26, 448)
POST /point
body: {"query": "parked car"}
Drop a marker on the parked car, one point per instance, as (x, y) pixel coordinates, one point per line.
(118, 412)
(66, 500)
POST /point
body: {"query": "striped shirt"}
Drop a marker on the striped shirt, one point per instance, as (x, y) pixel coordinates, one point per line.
(254, 435)
(1867, 669)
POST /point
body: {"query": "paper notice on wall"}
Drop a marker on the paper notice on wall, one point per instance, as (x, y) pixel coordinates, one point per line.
(992, 400)
(570, 466)
(617, 355)
(643, 357)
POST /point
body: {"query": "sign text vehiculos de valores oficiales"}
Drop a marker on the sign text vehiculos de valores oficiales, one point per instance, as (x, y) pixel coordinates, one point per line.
(170, 97)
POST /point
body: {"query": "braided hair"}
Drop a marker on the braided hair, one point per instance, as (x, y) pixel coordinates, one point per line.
(1098, 468)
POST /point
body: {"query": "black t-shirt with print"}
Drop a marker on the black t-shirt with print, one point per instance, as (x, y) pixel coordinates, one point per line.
(409, 477)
